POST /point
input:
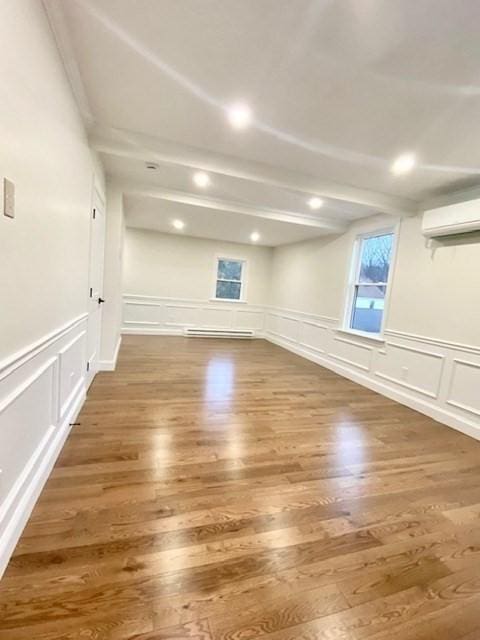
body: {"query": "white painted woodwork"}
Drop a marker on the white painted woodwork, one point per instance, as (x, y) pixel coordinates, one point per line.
(42, 389)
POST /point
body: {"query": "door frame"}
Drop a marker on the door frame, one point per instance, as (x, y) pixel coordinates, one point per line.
(98, 201)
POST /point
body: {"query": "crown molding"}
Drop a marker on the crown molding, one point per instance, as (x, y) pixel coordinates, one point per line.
(56, 19)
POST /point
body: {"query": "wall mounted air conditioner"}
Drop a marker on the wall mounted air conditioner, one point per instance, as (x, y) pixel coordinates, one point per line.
(452, 219)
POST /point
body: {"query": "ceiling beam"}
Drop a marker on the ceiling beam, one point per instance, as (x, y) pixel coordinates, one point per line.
(188, 199)
(142, 147)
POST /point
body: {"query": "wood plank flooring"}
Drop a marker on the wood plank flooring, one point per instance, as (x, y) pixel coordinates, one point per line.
(230, 490)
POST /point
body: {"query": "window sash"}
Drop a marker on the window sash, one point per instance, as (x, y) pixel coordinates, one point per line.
(240, 282)
(358, 255)
(356, 283)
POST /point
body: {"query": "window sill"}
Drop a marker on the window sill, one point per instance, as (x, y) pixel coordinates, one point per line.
(376, 337)
(227, 300)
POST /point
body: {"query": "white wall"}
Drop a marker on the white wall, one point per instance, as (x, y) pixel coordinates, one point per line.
(436, 289)
(169, 283)
(178, 266)
(430, 355)
(44, 253)
(45, 152)
(308, 276)
(432, 290)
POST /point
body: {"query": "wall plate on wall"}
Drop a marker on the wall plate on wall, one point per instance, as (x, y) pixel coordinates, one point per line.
(8, 198)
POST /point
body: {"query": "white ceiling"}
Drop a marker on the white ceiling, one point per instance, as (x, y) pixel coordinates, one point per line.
(338, 90)
(149, 213)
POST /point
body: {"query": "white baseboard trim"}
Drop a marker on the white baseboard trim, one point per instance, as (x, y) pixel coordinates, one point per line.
(36, 482)
(440, 414)
(111, 365)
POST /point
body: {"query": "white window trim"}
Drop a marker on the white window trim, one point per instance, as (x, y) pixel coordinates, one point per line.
(243, 281)
(352, 279)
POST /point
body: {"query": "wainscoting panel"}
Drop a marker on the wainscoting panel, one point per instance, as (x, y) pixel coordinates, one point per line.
(464, 392)
(352, 353)
(314, 336)
(414, 368)
(181, 315)
(71, 371)
(170, 316)
(144, 313)
(41, 391)
(284, 326)
(22, 430)
(217, 317)
(433, 376)
(246, 319)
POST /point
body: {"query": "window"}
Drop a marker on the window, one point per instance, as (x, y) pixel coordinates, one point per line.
(370, 277)
(230, 276)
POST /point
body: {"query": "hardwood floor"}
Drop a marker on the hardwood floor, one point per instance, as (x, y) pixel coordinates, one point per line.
(229, 490)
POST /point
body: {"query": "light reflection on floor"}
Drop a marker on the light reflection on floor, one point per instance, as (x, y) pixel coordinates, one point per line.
(219, 380)
(219, 390)
(350, 442)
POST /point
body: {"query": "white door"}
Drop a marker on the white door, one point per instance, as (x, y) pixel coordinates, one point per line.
(95, 297)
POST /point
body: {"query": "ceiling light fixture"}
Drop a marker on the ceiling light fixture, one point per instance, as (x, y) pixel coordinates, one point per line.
(201, 179)
(239, 116)
(178, 224)
(403, 164)
(315, 203)
(255, 236)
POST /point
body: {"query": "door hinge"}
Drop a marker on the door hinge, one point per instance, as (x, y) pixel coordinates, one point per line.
(91, 292)
(88, 366)
(94, 213)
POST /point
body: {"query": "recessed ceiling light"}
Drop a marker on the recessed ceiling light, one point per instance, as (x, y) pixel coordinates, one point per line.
(255, 236)
(178, 224)
(315, 203)
(151, 165)
(239, 116)
(403, 164)
(201, 179)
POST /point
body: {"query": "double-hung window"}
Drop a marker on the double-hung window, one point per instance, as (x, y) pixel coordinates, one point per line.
(230, 279)
(369, 282)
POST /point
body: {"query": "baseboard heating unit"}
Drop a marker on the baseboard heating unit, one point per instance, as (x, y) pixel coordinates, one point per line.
(198, 332)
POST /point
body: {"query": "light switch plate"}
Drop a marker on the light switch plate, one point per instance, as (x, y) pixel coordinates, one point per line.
(8, 198)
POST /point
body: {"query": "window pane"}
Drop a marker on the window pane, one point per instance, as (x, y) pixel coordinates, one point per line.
(368, 308)
(228, 290)
(375, 258)
(229, 270)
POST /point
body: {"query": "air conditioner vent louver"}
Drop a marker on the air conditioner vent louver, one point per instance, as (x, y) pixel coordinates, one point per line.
(199, 332)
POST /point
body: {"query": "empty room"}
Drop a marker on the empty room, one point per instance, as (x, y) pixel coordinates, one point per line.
(240, 320)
